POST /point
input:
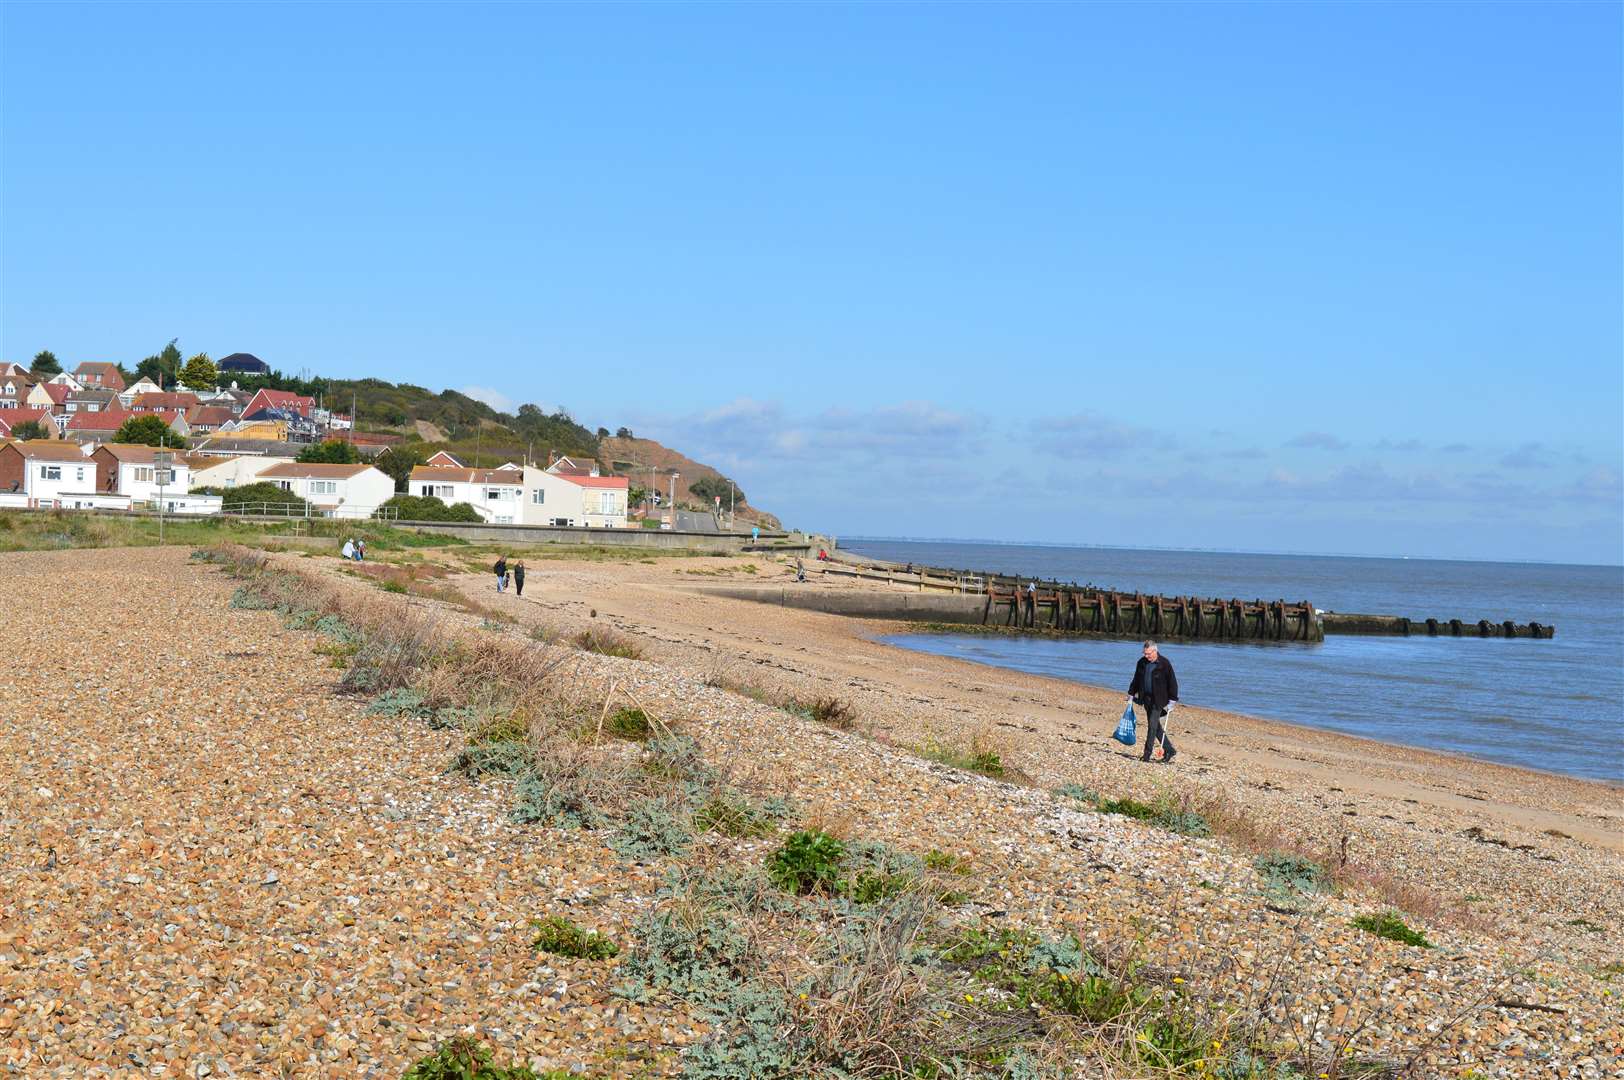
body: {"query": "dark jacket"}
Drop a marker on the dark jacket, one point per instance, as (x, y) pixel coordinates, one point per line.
(500, 567)
(518, 575)
(1164, 686)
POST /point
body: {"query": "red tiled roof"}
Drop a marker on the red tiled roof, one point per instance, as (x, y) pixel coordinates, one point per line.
(165, 400)
(296, 469)
(135, 451)
(445, 474)
(58, 391)
(596, 481)
(50, 450)
(106, 420)
(10, 418)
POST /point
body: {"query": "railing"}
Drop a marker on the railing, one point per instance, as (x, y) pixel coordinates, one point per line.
(306, 510)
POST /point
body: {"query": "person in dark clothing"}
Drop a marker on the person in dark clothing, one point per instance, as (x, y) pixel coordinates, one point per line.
(501, 572)
(518, 578)
(1155, 687)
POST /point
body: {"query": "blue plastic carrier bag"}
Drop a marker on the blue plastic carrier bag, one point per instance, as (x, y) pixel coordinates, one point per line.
(1125, 732)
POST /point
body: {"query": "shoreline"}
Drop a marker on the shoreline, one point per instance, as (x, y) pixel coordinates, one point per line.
(883, 630)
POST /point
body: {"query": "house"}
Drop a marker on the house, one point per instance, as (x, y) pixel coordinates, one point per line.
(95, 426)
(603, 500)
(11, 369)
(498, 495)
(47, 472)
(233, 472)
(568, 466)
(90, 400)
(244, 364)
(11, 419)
(14, 390)
(525, 495)
(443, 458)
(176, 419)
(203, 419)
(143, 385)
(45, 395)
(347, 491)
(270, 400)
(132, 469)
(68, 379)
(153, 402)
(100, 375)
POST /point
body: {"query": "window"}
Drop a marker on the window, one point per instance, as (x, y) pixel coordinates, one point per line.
(538, 496)
(166, 476)
(50, 472)
(323, 487)
(497, 494)
(285, 485)
(79, 475)
(143, 475)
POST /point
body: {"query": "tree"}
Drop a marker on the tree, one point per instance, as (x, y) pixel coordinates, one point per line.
(45, 364)
(603, 433)
(29, 429)
(164, 368)
(149, 430)
(200, 373)
(707, 488)
(331, 452)
(398, 462)
(624, 433)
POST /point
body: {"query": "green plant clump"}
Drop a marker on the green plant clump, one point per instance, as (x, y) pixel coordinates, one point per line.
(808, 862)
(631, 724)
(651, 828)
(1288, 872)
(463, 1058)
(1388, 924)
(1163, 813)
(562, 937)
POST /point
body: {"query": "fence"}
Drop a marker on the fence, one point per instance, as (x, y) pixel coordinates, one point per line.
(306, 510)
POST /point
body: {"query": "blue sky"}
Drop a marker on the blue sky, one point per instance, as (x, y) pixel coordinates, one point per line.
(1295, 277)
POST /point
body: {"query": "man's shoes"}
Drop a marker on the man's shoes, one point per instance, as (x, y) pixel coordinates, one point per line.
(1145, 759)
(1167, 758)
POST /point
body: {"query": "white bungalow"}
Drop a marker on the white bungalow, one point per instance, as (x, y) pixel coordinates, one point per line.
(346, 491)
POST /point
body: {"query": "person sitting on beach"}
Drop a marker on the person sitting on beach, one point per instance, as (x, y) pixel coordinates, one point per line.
(1155, 687)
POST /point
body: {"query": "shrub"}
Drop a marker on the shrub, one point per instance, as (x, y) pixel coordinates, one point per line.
(1288, 872)
(330, 452)
(1388, 924)
(1164, 813)
(608, 642)
(808, 862)
(235, 498)
(731, 814)
(676, 757)
(562, 937)
(507, 758)
(702, 958)
(562, 790)
(427, 508)
(979, 758)
(651, 828)
(464, 1058)
(1077, 791)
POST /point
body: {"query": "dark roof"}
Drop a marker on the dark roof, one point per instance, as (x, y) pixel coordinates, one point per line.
(241, 361)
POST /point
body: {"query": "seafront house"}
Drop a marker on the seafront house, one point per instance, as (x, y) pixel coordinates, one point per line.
(603, 500)
(46, 473)
(525, 495)
(497, 495)
(100, 375)
(235, 471)
(131, 469)
(346, 491)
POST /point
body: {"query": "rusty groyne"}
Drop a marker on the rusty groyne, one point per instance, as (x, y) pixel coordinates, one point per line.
(1400, 626)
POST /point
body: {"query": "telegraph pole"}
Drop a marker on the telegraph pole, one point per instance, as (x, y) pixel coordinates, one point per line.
(161, 461)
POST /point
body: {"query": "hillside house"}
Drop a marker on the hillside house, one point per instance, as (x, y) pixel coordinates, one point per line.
(90, 400)
(100, 375)
(143, 385)
(346, 491)
(242, 363)
(14, 390)
(233, 472)
(10, 368)
(203, 419)
(53, 396)
(46, 472)
(11, 419)
(131, 469)
(267, 400)
(98, 426)
(66, 378)
(568, 466)
(162, 402)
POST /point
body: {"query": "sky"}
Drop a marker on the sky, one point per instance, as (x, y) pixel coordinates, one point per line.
(1314, 277)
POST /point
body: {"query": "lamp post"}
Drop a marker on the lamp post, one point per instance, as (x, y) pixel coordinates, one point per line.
(674, 475)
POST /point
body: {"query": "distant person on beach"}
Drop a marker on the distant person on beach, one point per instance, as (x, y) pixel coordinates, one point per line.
(501, 572)
(348, 550)
(518, 578)
(1155, 687)
(360, 550)
(800, 570)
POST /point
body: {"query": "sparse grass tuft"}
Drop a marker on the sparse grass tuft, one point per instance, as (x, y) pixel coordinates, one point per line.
(835, 712)
(1389, 925)
(630, 724)
(562, 937)
(607, 642)
(1165, 813)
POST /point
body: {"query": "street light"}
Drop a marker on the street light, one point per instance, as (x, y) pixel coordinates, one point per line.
(674, 475)
(160, 462)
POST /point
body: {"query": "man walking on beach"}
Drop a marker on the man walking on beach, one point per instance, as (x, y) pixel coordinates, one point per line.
(1155, 687)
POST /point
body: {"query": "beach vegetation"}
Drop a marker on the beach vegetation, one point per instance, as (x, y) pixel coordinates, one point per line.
(824, 709)
(631, 724)
(1166, 812)
(809, 862)
(1290, 872)
(731, 814)
(652, 827)
(561, 937)
(1085, 795)
(1390, 925)
(465, 1058)
(607, 642)
(979, 757)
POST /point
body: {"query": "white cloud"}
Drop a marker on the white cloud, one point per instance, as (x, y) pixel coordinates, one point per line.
(494, 398)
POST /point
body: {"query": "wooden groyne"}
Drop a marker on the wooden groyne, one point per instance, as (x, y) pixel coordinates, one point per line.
(1069, 608)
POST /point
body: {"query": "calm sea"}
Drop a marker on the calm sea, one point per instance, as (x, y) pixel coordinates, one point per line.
(1556, 705)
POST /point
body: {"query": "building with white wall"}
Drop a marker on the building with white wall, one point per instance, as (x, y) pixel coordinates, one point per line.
(47, 472)
(236, 471)
(346, 491)
(512, 495)
(132, 469)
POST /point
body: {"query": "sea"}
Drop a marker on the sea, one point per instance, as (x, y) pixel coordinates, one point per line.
(1555, 705)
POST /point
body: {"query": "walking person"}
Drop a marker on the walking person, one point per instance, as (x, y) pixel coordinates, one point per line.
(518, 578)
(501, 572)
(1155, 687)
